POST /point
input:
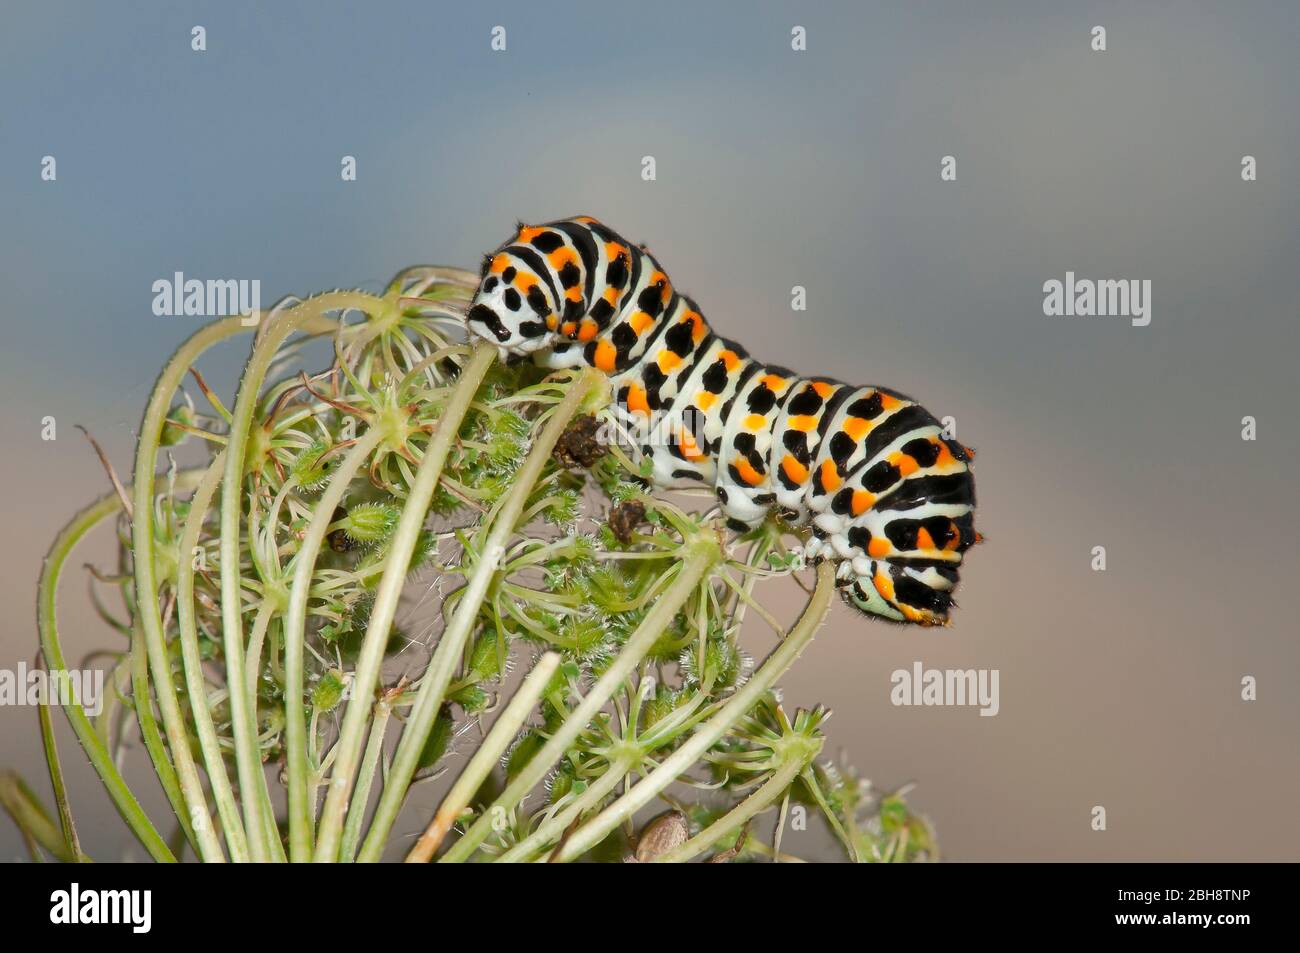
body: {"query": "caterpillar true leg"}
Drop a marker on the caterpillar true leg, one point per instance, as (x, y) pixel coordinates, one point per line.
(885, 493)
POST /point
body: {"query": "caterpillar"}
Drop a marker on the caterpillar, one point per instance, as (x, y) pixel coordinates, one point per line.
(885, 493)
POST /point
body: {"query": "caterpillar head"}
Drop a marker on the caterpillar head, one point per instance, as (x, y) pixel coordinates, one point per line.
(512, 305)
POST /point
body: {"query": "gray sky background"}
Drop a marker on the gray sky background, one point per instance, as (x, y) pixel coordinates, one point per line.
(775, 168)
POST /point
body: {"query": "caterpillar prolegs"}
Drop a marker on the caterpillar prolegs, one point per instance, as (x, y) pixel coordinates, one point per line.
(886, 494)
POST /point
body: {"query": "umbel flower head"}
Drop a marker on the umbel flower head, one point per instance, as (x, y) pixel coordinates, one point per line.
(419, 579)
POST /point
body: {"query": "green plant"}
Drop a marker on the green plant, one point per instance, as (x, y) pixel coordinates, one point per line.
(261, 589)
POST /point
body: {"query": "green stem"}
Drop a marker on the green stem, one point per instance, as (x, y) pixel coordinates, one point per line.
(850, 846)
(256, 637)
(701, 555)
(47, 623)
(193, 809)
(261, 622)
(708, 734)
(195, 683)
(371, 656)
(21, 804)
(361, 796)
(485, 758)
(301, 827)
(773, 788)
(433, 685)
(152, 737)
(252, 780)
(66, 824)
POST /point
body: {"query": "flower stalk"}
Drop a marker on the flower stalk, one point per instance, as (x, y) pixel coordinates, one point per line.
(711, 731)
(433, 685)
(390, 590)
(700, 557)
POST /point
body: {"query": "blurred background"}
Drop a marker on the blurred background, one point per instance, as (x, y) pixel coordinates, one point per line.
(774, 168)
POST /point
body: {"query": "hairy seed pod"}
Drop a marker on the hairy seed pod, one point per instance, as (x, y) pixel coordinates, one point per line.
(666, 832)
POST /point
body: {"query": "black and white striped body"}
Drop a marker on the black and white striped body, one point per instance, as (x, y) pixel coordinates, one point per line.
(885, 493)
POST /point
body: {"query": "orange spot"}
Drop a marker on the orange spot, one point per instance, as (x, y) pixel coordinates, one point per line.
(611, 295)
(524, 281)
(862, 501)
(573, 294)
(773, 383)
(640, 322)
(747, 472)
(830, 476)
(529, 232)
(918, 616)
(754, 423)
(586, 220)
(955, 539)
(945, 456)
(551, 321)
(885, 586)
(802, 422)
(562, 256)
(568, 327)
(668, 360)
(889, 403)
(690, 449)
(500, 262)
(613, 250)
(605, 356)
(823, 389)
(636, 401)
(796, 471)
(729, 359)
(697, 325)
(906, 465)
(878, 548)
(588, 330)
(705, 399)
(857, 427)
(924, 540)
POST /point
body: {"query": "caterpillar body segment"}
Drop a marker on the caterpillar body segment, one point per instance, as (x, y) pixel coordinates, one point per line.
(885, 494)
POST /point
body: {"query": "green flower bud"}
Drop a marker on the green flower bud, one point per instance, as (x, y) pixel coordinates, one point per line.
(439, 739)
(529, 743)
(174, 436)
(893, 814)
(328, 692)
(471, 698)
(371, 522)
(308, 471)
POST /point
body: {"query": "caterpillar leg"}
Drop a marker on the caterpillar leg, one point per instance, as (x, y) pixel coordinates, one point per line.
(902, 593)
